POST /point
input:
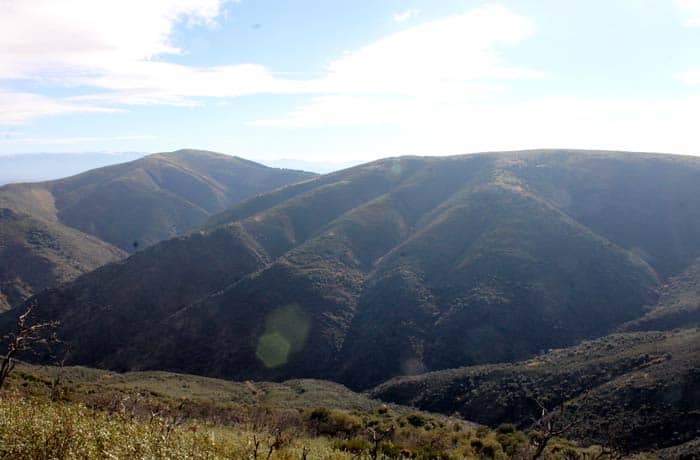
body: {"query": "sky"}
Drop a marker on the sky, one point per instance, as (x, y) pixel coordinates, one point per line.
(348, 81)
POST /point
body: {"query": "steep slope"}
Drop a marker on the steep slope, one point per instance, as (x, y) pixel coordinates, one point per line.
(399, 266)
(36, 254)
(678, 305)
(149, 199)
(636, 391)
(54, 231)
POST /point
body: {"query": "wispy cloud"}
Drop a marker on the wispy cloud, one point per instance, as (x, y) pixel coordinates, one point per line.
(404, 16)
(446, 62)
(17, 108)
(100, 44)
(634, 124)
(691, 8)
(113, 51)
(690, 77)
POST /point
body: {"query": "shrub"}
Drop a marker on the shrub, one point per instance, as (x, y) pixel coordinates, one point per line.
(416, 420)
(354, 446)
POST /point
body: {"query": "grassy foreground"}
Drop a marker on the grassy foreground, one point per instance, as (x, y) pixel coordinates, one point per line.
(39, 429)
(96, 415)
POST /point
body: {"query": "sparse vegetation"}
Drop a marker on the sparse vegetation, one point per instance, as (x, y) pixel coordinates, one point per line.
(151, 415)
(396, 267)
(627, 392)
(52, 232)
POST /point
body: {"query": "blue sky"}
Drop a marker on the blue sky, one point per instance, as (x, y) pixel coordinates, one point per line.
(347, 81)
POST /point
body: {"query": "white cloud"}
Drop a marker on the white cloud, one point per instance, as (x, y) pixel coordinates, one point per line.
(115, 50)
(692, 9)
(404, 16)
(17, 108)
(690, 77)
(434, 57)
(661, 125)
(439, 57)
(59, 40)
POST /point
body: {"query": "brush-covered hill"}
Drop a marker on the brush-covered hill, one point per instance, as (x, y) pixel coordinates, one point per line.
(78, 412)
(35, 254)
(396, 267)
(53, 231)
(637, 391)
(678, 305)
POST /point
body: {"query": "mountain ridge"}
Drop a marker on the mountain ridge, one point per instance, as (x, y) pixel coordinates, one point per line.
(399, 266)
(118, 209)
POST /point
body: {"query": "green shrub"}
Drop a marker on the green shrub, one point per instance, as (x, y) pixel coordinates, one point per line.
(505, 428)
(416, 420)
(354, 446)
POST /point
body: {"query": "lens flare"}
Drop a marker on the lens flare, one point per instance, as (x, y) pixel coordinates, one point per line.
(286, 330)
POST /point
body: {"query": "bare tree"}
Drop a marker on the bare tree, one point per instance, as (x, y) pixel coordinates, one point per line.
(27, 337)
(551, 424)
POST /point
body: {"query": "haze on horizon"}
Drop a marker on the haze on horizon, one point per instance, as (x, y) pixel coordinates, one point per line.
(346, 82)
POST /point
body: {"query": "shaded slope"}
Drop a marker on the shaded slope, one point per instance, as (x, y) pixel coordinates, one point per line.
(397, 266)
(484, 282)
(76, 221)
(643, 202)
(201, 263)
(678, 305)
(639, 391)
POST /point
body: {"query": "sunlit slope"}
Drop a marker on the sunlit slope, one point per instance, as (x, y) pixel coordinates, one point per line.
(149, 199)
(54, 231)
(35, 254)
(398, 266)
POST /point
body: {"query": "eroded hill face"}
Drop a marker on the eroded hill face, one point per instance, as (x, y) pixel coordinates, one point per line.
(397, 267)
(53, 231)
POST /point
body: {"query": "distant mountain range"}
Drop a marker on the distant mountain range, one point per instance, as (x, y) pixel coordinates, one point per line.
(35, 167)
(321, 167)
(394, 267)
(53, 231)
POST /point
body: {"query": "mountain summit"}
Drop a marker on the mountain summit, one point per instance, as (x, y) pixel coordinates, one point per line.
(53, 231)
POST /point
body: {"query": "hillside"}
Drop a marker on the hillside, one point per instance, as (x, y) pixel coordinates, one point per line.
(54, 231)
(637, 391)
(678, 305)
(35, 254)
(397, 267)
(80, 412)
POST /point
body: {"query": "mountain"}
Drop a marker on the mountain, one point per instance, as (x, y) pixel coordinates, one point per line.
(396, 267)
(35, 254)
(678, 305)
(638, 391)
(321, 167)
(35, 167)
(53, 231)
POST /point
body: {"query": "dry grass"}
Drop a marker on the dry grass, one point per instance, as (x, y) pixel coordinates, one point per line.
(38, 429)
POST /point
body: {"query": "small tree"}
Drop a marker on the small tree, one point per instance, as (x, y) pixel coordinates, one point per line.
(551, 424)
(28, 335)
